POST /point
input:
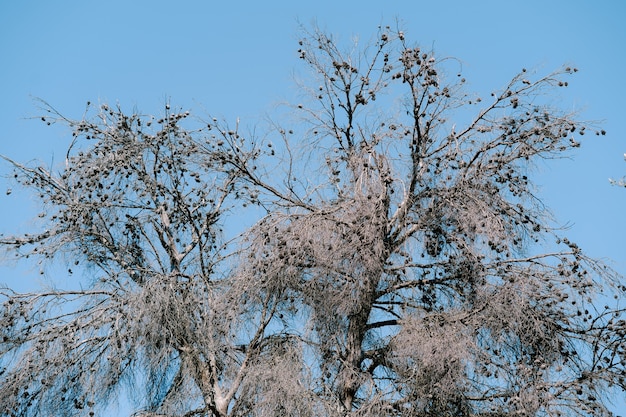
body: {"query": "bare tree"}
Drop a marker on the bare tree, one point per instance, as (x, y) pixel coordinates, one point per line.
(409, 232)
(139, 206)
(401, 264)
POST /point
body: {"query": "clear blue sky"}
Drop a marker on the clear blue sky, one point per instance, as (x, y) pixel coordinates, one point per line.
(238, 58)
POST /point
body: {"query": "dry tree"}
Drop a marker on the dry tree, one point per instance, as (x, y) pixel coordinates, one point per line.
(139, 207)
(416, 255)
(400, 262)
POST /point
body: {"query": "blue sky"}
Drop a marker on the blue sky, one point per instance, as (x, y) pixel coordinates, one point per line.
(238, 59)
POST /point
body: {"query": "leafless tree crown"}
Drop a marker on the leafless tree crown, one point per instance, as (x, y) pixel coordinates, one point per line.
(396, 266)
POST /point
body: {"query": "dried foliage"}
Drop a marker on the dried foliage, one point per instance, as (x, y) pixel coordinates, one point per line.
(398, 266)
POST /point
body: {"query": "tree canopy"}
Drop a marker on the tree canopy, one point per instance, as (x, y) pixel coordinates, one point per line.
(380, 251)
